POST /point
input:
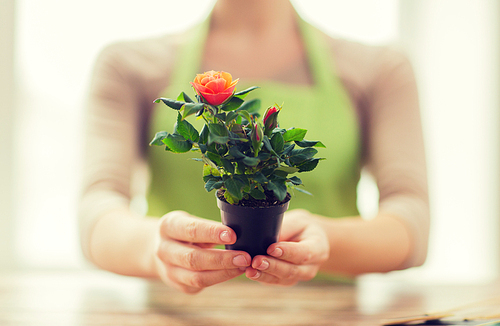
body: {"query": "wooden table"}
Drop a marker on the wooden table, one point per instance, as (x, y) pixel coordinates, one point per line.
(100, 298)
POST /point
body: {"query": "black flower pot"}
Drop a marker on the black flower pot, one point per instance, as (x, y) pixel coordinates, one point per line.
(256, 227)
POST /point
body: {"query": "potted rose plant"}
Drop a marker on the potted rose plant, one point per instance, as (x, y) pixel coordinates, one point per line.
(250, 163)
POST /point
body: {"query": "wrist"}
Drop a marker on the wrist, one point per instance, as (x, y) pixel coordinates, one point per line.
(151, 264)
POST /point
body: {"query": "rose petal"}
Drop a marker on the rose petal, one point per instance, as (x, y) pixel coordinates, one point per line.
(216, 85)
(217, 99)
(230, 89)
(269, 112)
(233, 83)
(227, 77)
(198, 78)
(202, 89)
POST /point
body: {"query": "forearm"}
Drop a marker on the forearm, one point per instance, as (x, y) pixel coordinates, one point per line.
(358, 246)
(123, 243)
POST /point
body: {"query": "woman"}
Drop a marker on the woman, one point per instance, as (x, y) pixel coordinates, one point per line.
(363, 97)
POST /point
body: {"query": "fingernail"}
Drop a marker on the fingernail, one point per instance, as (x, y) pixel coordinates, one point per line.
(225, 236)
(277, 252)
(264, 265)
(242, 269)
(240, 261)
(256, 276)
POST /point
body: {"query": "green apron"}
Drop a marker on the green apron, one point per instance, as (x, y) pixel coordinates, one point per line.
(324, 109)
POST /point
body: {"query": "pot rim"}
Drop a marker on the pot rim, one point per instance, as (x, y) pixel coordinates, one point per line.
(227, 207)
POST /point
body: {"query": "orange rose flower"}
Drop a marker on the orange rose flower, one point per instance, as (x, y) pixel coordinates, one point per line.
(214, 87)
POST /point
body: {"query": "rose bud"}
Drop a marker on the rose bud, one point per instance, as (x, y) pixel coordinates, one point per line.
(271, 119)
(214, 87)
(256, 138)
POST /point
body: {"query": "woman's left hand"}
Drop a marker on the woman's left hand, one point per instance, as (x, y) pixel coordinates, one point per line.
(302, 249)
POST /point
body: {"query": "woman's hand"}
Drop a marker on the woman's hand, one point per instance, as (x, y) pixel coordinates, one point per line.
(303, 247)
(185, 257)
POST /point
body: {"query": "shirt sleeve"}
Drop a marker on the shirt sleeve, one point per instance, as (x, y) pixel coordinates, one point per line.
(395, 150)
(111, 144)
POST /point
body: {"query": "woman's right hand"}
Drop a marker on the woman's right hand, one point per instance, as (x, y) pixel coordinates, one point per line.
(185, 257)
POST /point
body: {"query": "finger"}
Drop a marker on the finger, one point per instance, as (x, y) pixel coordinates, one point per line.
(181, 226)
(293, 252)
(192, 282)
(313, 248)
(284, 270)
(266, 278)
(205, 245)
(197, 259)
(293, 224)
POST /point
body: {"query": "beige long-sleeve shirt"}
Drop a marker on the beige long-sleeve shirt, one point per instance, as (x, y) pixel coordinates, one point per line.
(379, 80)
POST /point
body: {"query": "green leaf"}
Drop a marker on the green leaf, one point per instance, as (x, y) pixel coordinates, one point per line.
(221, 116)
(277, 142)
(228, 166)
(236, 153)
(214, 158)
(221, 149)
(288, 149)
(302, 154)
(242, 178)
(236, 128)
(250, 161)
(186, 130)
(231, 116)
(309, 165)
(280, 173)
(257, 194)
(183, 97)
(230, 199)
(210, 170)
(202, 147)
(234, 188)
(233, 104)
(176, 105)
(209, 176)
(240, 167)
(268, 172)
(251, 106)
(278, 188)
(218, 129)
(190, 109)
(208, 161)
(263, 156)
(242, 94)
(213, 184)
(295, 180)
(236, 137)
(294, 134)
(158, 138)
(218, 134)
(204, 134)
(303, 191)
(288, 169)
(267, 144)
(245, 114)
(177, 143)
(259, 177)
(307, 143)
(212, 148)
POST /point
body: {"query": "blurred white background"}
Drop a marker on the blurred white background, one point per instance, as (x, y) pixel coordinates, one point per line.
(453, 44)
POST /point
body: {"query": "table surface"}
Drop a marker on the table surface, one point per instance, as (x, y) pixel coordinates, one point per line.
(100, 298)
